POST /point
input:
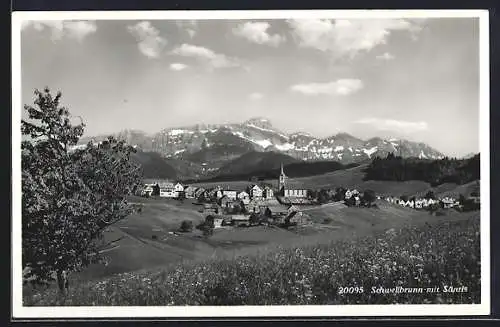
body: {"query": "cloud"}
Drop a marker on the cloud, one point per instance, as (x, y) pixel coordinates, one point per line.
(256, 32)
(385, 56)
(191, 32)
(77, 30)
(344, 37)
(150, 43)
(256, 96)
(190, 26)
(338, 87)
(178, 66)
(208, 56)
(394, 125)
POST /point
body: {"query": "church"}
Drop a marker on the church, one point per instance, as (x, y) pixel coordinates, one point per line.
(286, 192)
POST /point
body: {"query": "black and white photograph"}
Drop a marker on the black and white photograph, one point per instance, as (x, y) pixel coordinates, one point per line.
(250, 163)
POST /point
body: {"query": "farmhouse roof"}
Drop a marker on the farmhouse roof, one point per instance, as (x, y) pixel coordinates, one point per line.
(275, 208)
(240, 217)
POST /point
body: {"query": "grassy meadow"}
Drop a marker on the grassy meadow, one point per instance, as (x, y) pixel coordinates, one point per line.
(440, 252)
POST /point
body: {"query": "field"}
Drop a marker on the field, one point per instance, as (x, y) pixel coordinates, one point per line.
(441, 253)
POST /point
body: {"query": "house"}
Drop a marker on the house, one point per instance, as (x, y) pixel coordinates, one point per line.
(410, 204)
(240, 220)
(474, 198)
(190, 192)
(243, 197)
(297, 218)
(213, 193)
(278, 210)
(179, 189)
(419, 204)
(167, 190)
(255, 191)
(147, 190)
(268, 192)
(230, 194)
(199, 191)
(167, 193)
(448, 202)
(227, 202)
(214, 221)
(295, 193)
(211, 208)
(253, 206)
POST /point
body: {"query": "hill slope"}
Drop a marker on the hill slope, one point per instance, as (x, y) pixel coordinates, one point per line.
(255, 161)
(153, 165)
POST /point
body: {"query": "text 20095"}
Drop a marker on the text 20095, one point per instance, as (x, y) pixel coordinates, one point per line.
(351, 290)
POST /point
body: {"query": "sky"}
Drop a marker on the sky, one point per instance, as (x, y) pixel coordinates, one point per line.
(416, 79)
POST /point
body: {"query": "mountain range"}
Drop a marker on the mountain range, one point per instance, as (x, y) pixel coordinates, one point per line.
(203, 150)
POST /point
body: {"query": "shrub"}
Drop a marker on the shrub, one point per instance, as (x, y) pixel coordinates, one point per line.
(369, 197)
(327, 220)
(208, 231)
(186, 226)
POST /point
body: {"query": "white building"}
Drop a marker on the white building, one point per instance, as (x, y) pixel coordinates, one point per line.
(256, 191)
(230, 194)
(295, 193)
(244, 197)
(268, 192)
(168, 192)
(147, 190)
(190, 192)
(178, 188)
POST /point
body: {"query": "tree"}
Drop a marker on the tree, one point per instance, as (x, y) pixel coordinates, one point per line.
(156, 190)
(350, 202)
(430, 195)
(462, 199)
(204, 144)
(69, 196)
(369, 197)
(255, 219)
(202, 198)
(340, 193)
(186, 226)
(323, 196)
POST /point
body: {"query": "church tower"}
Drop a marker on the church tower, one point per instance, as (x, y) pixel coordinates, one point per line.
(282, 181)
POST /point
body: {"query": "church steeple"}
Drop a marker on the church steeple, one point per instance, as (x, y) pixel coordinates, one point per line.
(282, 180)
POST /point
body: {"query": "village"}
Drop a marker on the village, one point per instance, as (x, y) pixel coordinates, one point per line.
(261, 203)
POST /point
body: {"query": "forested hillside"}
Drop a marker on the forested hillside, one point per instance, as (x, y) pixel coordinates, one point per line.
(436, 172)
